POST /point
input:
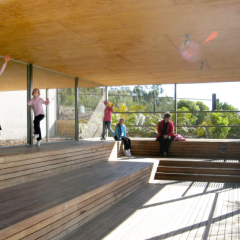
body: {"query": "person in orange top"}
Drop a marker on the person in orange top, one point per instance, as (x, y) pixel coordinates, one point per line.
(165, 133)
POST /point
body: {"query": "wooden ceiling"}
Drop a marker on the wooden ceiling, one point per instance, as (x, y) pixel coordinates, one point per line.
(124, 42)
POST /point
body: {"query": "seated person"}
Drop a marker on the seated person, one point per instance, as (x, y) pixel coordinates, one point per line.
(120, 134)
(165, 133)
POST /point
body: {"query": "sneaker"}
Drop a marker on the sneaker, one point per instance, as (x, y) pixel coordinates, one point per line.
(128, 153)
(124, 153)
(36, 136)
(115, 137)
(103, 139)
(38, 143)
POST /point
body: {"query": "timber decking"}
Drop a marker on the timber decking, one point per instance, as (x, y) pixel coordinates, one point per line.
(26, 163)
(208, 170)
(51, 207)
(192, 148)
(169, 210)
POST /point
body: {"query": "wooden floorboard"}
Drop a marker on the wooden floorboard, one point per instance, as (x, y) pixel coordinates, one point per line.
(165, 210)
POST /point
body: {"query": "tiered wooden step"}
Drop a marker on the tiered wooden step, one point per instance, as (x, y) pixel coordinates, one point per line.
(193, 148)
(205, 171)
(53, 206)
(26, 163)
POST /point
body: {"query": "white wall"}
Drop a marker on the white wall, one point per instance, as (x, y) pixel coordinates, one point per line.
(13, 114)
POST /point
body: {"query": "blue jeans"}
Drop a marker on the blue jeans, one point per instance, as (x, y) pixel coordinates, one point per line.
(107, 125)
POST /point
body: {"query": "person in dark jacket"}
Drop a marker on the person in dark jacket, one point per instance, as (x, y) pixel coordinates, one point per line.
(165, 133)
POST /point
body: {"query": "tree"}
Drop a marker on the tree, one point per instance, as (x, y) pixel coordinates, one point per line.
(219, 132)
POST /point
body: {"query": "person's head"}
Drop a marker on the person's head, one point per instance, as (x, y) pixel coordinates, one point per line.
(121, 121)
(36, 92)
(167, 116)
(107, 103)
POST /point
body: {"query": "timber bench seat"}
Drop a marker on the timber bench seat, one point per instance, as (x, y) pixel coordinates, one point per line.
(201, 171)
(192, 148)
(53, 206)
(26, 163)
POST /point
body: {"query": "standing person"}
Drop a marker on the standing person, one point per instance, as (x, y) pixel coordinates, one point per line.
(165, 133)
(107, 120)
(6, 59)
(36, 104)
(120, 134)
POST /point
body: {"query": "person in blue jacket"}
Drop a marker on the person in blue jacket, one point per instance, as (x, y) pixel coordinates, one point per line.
(120, 134)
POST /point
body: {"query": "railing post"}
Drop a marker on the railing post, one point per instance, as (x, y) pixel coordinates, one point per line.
(76, 109)
(106, 98)
(214, 101)
(29, 109)
(154, 106)
(175, 96)
(47, 117)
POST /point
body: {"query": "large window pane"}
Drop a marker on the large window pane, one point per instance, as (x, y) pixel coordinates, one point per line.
(13, 104)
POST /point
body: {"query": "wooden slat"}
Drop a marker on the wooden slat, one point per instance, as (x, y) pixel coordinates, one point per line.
(200, 164)
(198, 170)
(197, 177)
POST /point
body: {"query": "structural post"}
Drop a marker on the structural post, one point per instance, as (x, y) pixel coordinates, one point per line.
(106, 93)
(175, 96)
(58, 104)
(214, 102)
(47, 117)
(106, 98)
(154, 106)
(29, 109)
(76, 109)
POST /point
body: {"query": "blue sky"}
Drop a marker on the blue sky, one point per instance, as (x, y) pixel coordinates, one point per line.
(226, 92)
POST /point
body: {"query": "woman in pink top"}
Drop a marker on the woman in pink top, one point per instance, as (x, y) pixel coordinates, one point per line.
(107, 120)
(6, 59)
(39, 114)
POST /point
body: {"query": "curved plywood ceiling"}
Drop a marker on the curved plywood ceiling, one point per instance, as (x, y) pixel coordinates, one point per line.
(124, 42)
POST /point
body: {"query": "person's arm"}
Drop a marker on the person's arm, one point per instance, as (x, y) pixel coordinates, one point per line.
(159, 128)
(112, 108)
(6, 59)
(116, 132)
(46, 102)
(125, 134)
(170, 129)
(30, 102)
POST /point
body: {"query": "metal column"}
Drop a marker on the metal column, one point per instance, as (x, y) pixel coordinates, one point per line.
(214, 101)
(106, 93)
(106, 98)
(175, 96)
(76, 109)
(47, 117)
(29, 109)
(154, 106)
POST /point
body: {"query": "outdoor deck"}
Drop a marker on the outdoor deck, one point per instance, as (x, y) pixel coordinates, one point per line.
(70, 203)
(170, 210)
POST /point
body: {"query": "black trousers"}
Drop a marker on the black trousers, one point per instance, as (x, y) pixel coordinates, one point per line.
(164, 144)
(36, 123)
(127, 143)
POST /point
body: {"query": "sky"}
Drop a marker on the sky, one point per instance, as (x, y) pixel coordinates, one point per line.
(228, 92)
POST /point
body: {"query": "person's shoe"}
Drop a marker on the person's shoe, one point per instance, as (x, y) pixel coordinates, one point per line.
(129, 153)
(38, 143)
(103, 139)
(164, 154)
(36, 136)
(124, 153)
